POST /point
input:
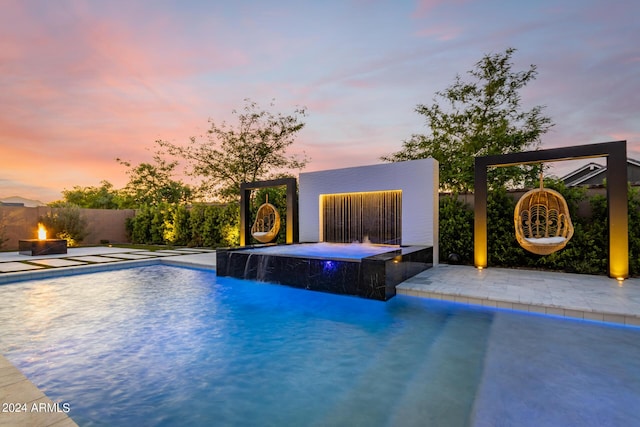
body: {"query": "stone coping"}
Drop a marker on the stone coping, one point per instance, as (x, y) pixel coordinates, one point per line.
(90, 260)
(580, 296)
(24, 404)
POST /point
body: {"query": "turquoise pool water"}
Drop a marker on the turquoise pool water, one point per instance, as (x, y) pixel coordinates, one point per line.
(325, 250)
(168, 346)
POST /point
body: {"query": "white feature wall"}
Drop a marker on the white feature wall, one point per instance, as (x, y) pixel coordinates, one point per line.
(417, 179)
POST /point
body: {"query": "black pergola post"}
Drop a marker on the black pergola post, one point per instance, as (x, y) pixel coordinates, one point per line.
(292, 207)
(617, 202)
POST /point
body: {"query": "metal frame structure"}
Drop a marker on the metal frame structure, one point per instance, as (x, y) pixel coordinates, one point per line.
(292, 207)
(617, 198)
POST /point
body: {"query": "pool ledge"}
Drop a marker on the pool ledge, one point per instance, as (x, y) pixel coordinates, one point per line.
(578, 296)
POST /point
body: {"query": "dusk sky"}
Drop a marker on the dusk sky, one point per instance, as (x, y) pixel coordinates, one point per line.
(85, 82)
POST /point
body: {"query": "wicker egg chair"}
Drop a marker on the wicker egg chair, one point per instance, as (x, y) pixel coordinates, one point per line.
(267, 224)
(542, 221)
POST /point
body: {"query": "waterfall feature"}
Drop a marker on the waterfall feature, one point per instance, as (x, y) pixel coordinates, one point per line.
(363, 270)
(374, 216)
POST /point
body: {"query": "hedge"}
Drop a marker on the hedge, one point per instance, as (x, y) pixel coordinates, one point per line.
(200, 225)
(585, 253)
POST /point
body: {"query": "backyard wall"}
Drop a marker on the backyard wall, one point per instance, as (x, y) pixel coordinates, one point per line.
(102, 224)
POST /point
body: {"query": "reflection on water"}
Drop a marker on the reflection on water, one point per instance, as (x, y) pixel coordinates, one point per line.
(168, 346)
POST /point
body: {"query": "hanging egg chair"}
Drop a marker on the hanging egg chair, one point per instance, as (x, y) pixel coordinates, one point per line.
(267, 224)
(542, 221)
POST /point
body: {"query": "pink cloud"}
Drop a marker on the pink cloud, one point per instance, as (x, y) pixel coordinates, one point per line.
(425, 7)
(440, 32)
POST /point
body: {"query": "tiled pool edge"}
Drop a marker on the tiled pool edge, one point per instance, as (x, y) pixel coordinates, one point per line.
(45, 273)
(624, 319)
(15, 388)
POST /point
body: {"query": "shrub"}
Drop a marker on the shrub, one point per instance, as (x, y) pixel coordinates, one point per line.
(66, 223)
(503, 248)
(177, 228)
(196, 225)
(182, 226)
(230, 231)
(201, 225)
(456, 229)
(157, 226)
(139, 226)
(634, 231)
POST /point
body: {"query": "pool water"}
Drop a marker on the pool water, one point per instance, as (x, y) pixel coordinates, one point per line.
(326, 250)
(169, 346)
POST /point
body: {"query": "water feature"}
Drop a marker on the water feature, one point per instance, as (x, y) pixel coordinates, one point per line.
(374, 215)
(365, 270)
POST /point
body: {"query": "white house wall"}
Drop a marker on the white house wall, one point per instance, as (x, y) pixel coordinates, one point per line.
(417, 179)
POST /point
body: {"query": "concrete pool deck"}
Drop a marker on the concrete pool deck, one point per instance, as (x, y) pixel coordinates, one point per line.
(596, 298)
(15, 267)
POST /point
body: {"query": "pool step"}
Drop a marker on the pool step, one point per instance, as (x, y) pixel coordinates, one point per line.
(360, 406)
(441, 386)
(443, 389)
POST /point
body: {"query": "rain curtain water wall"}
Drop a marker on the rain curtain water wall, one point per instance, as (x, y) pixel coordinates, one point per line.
(416, 179)
(367, 216)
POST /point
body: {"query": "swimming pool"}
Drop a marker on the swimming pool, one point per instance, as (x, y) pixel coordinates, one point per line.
(169, 346)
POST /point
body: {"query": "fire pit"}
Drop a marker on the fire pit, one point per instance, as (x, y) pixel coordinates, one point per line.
(42, 245)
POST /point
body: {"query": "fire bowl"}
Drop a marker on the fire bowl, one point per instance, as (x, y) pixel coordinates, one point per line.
(42, 247)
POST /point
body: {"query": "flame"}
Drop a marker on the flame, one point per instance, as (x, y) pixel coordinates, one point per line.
(42, 232)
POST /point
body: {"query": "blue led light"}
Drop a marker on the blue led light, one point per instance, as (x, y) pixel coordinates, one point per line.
(329, 266)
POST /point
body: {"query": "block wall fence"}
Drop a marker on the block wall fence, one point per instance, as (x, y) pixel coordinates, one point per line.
(102, 224)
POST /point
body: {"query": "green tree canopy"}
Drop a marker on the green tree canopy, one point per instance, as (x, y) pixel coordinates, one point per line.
(102, 197)
(479, 117)
(254, 149)
(153, 184)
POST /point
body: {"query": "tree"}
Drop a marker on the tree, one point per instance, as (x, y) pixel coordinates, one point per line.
(103, 197)
(152, 184)
(254, 149)
(478, 118)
